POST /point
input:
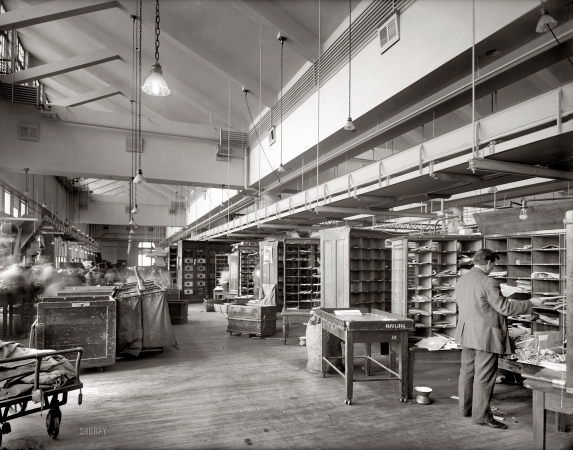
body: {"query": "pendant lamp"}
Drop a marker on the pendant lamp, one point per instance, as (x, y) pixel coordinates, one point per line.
(545, 22)
(139, 177)
(349, 125)
(282, 40)
(131, 221)
(26, 192)
(135, 210)
(155, 84)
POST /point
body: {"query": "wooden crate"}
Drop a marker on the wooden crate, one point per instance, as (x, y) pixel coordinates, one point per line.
(81, 322)
(252, 319)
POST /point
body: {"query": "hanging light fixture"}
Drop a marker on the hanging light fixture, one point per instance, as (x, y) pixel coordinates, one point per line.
(349, 125)
(135, 209)
(155, 84)
(139, 177)
(131, 231)
(523, 213)
(131, 222)
(282, 40)
(547, 23)
(26, 192)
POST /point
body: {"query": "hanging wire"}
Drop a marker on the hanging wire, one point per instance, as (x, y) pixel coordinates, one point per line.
(282, 123)
(349, 54)
(228, 158)
(261, 146)
(474, 150)
(318, 110)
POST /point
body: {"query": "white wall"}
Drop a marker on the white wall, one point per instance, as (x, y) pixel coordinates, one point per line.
(432, 32)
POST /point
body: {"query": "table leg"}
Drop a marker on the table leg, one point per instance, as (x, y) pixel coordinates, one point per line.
(324, 352)
(411, 354)
(10, 319)
(403, 367)
(349, 360)
(285, 329)
(539, 417)
(561, 422)
(5, 321)
(367, 362)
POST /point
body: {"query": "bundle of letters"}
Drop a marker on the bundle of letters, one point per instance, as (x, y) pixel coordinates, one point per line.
(542, 275)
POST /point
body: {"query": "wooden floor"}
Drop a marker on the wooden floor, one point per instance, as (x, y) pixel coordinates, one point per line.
(223, 392)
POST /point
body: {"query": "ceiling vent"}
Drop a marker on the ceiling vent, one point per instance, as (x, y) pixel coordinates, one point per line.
(28, 132)
(389, 33)
(128, 145)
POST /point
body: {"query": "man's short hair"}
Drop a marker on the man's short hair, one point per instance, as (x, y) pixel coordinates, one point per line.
(483, 255)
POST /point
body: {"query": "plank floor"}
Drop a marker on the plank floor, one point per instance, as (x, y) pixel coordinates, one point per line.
(228, 392)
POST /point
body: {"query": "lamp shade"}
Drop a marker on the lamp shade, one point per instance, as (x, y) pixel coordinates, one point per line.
(281, 168)
(135, 210)
(155, 84)
(544, 21)
(349, 125)
(139, 177)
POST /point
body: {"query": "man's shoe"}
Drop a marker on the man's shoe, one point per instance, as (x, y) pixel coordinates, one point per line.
(495, 424)
(467, 415)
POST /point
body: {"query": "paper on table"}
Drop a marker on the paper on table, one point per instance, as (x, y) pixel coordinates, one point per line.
(348, 312)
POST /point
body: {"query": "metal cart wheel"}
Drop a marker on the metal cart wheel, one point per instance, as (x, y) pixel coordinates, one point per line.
(53, 422)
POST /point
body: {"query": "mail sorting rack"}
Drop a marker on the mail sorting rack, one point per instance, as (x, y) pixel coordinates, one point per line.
(248, 259)
(217, 263)
(194, 268)
(534, 263)
(424, 277)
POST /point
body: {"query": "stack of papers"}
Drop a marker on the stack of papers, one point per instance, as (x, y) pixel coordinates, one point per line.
(548, 247)
(446, 273)
(423, 248)
(442, 310)
(419, 298)
(542, 275)
(422, 312)
(348, 312)
(443, 297)
(465, 260)
(500, 274)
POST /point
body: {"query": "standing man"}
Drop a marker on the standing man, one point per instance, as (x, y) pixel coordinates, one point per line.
(482, 333)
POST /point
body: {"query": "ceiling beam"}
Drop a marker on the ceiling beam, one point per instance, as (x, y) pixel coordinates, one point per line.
(287, 227)
(47, 12)
(357, 211)
(88, 97)
(59, 67)
(261, 11)
(447, 176)
(489, 165)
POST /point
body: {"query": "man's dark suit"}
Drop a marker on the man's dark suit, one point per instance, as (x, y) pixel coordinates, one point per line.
(482, 333)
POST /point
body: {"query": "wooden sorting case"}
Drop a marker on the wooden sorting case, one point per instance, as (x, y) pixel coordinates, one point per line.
(87, 322)
(252, 319)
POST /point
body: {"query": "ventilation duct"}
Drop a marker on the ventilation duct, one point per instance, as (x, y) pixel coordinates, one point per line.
(28, 132)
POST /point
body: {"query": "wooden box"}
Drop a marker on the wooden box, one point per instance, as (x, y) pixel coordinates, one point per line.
(211, 302)
(252, 319)
(81, 322)
(178, 310)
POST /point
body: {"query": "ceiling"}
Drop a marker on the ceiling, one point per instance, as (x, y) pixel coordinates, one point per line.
(208, 51)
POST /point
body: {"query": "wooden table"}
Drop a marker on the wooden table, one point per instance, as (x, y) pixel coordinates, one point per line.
(378, 326)
(293, 316)
(547, 397)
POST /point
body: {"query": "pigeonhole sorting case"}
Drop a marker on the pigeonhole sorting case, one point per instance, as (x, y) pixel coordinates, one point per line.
(252, 319)
(87, 322)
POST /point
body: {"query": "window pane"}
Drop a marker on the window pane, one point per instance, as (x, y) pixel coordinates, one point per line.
(22, 208)
(15, 212)
(7, 202)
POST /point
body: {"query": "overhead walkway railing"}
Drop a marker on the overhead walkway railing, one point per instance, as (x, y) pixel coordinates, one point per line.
(534, 113)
